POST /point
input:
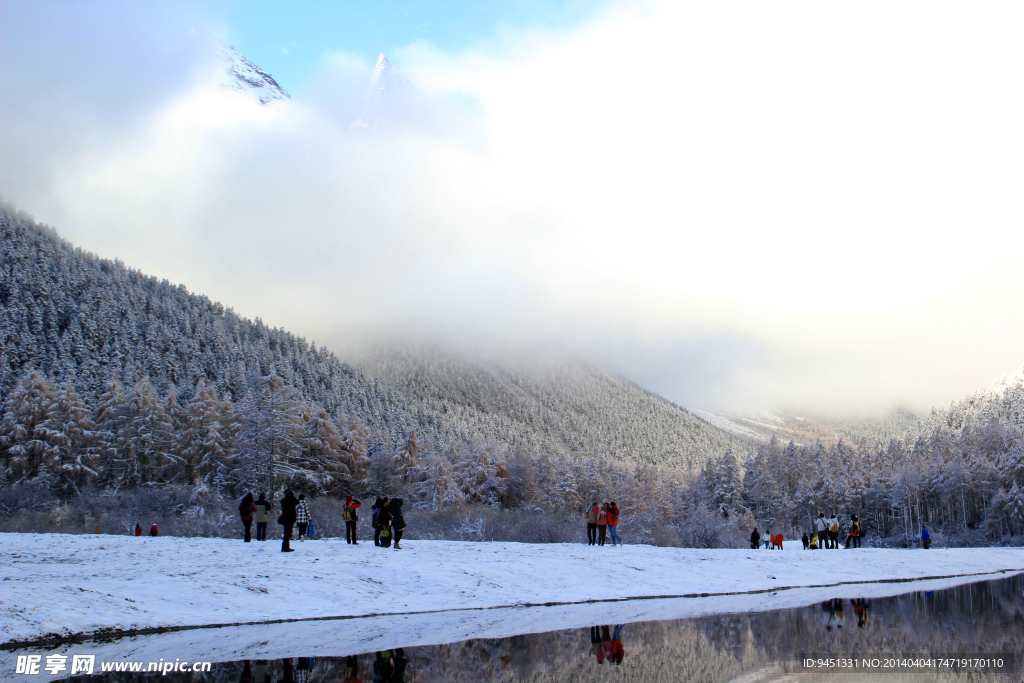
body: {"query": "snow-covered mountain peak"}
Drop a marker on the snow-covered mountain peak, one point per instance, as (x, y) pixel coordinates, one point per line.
(390, 98)
(243, 76)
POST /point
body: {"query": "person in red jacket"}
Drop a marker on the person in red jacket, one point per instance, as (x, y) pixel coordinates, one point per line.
(351, 517)
(153, 531)
(138, 529)
(602, 524)
(613, 522)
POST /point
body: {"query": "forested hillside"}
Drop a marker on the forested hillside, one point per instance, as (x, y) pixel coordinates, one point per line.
(79, 319)
(570, 406)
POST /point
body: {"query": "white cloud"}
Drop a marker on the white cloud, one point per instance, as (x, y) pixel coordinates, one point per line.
(737, 204)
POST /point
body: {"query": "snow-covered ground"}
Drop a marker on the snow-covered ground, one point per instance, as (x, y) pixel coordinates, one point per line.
(57, 584)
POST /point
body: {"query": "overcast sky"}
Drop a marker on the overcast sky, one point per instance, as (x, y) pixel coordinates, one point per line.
(739, 205)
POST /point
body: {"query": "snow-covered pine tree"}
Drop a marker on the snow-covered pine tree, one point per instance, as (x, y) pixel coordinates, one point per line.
(25, 409)
(69, 437)
(269, 429)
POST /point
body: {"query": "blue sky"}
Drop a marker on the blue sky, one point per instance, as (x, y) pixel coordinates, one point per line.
(288, 39)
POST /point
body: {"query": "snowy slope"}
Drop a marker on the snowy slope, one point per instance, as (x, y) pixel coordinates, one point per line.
(241, 75)
(66, 584)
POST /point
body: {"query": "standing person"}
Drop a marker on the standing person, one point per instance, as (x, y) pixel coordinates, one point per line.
(382, 523)
(374, 510)
(138, 529)
(302, 516)
(602, 524)
(592, 524)
(755, 539)
(926, 538)
(246, 509)
(822, 529)
(287, 519)
(833, 531)
(613, 523)
(262, 516)
(767, 539)
(153, 531)
(806, 541)
(351, 517)
(397, 520)
(851, 537)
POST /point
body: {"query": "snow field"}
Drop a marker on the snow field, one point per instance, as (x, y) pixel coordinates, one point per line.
(56, 584)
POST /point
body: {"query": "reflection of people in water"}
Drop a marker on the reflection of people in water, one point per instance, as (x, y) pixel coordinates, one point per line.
(595, 644)
(246, 676)
(617, 651)
(288, 674)
(860, 610)
(352, 669)
(606, 642)
(261, 673)
(832, 614)
(389, 666)
(302, 667)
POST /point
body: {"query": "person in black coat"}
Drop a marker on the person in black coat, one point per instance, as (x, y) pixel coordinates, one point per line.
(755, 539)
(382, 525)
(287, 519)
(397, 520)
(377, 505)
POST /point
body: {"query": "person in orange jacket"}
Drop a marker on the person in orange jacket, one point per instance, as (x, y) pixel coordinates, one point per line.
(613, 522)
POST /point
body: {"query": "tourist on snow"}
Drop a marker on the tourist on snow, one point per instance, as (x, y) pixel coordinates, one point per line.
(767, 539)
(926, 538)
(397, 520)
(382, 523)
(854, 533)
(806, 541)
(351, 517)
(833, 531)
(138, 529)
(755, 539)
(153, 531)
(821, 527)
(814, 541)
(592, 524)
(246, 509)
(613, 523)
(777, 541)
(262, 516)
(377, 505)
(287, 519)
(602, 524)
(302, 518)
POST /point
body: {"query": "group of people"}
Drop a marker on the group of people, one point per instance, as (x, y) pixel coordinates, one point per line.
(153, 531)
(602, 523)
(294, 516)
(773, 541)
(388, 522)
(825, 534)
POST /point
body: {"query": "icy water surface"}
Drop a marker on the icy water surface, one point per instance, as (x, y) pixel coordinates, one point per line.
(863, 639)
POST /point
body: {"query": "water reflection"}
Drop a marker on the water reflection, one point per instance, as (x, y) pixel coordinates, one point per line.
(976, 619)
